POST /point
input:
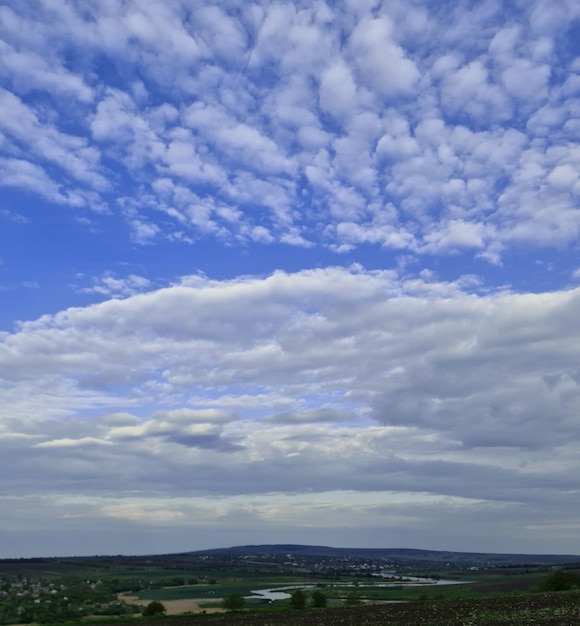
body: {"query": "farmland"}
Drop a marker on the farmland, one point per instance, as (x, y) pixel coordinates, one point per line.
(359, 589)
(561, 609)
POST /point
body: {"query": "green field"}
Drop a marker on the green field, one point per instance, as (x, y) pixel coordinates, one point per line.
(64, 591)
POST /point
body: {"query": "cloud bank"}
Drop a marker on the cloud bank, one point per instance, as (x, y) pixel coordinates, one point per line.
(349, 394)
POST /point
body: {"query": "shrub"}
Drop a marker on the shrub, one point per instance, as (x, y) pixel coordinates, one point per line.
(561, 581)
(318, 599)
(234, 602)
(154, 608)
(298, 599)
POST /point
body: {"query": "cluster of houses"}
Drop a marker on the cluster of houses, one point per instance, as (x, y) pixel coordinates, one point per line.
(24, 599)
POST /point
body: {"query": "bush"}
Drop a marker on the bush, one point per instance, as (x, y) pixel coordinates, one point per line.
(154, 608)
(234, 602)
(318, 599)
(298, 599)
(561, 581)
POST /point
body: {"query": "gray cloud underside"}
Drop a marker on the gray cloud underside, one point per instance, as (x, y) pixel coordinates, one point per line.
(321, 382)
(408, 126)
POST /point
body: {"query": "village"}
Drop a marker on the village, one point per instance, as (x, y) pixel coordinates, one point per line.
(25, 600)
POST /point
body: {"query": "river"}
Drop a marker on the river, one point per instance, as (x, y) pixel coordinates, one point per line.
(281, 593)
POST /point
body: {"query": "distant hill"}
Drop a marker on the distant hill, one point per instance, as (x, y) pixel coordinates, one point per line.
(397, 555)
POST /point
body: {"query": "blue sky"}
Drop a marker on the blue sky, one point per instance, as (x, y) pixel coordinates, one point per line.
(289, 272)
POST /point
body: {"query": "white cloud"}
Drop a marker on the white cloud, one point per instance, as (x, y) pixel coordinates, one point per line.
(224, 36)
(338, 91)
(563, 176)
(29, 176)
(469, 90)
(30, 71)
(381, 61)
(456, 234)
(112, 287)
(524, 81)
(540, 202)
(33, 138)
(301, 334)
(143, 232)
(144, 514)
(184, 162)
(134, 135)
(283, 108)
(12, 216)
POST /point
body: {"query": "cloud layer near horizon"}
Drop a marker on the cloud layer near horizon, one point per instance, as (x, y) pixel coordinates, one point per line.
(348, 394)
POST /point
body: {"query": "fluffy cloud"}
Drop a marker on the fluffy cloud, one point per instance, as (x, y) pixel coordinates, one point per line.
(280, 116)
(381, 61)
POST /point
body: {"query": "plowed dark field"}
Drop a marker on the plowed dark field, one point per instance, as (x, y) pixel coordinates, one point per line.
(553, 609)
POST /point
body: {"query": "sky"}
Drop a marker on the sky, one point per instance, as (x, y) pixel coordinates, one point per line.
(289, 272)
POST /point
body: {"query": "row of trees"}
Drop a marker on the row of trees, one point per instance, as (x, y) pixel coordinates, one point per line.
(562, 580)
(299, 599)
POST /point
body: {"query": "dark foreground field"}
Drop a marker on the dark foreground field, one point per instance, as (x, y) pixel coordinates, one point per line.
(553, 609)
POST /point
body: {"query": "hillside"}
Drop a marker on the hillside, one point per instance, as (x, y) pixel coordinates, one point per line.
(398, 555)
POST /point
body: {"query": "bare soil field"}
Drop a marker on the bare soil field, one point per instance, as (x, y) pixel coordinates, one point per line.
(174, 607)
